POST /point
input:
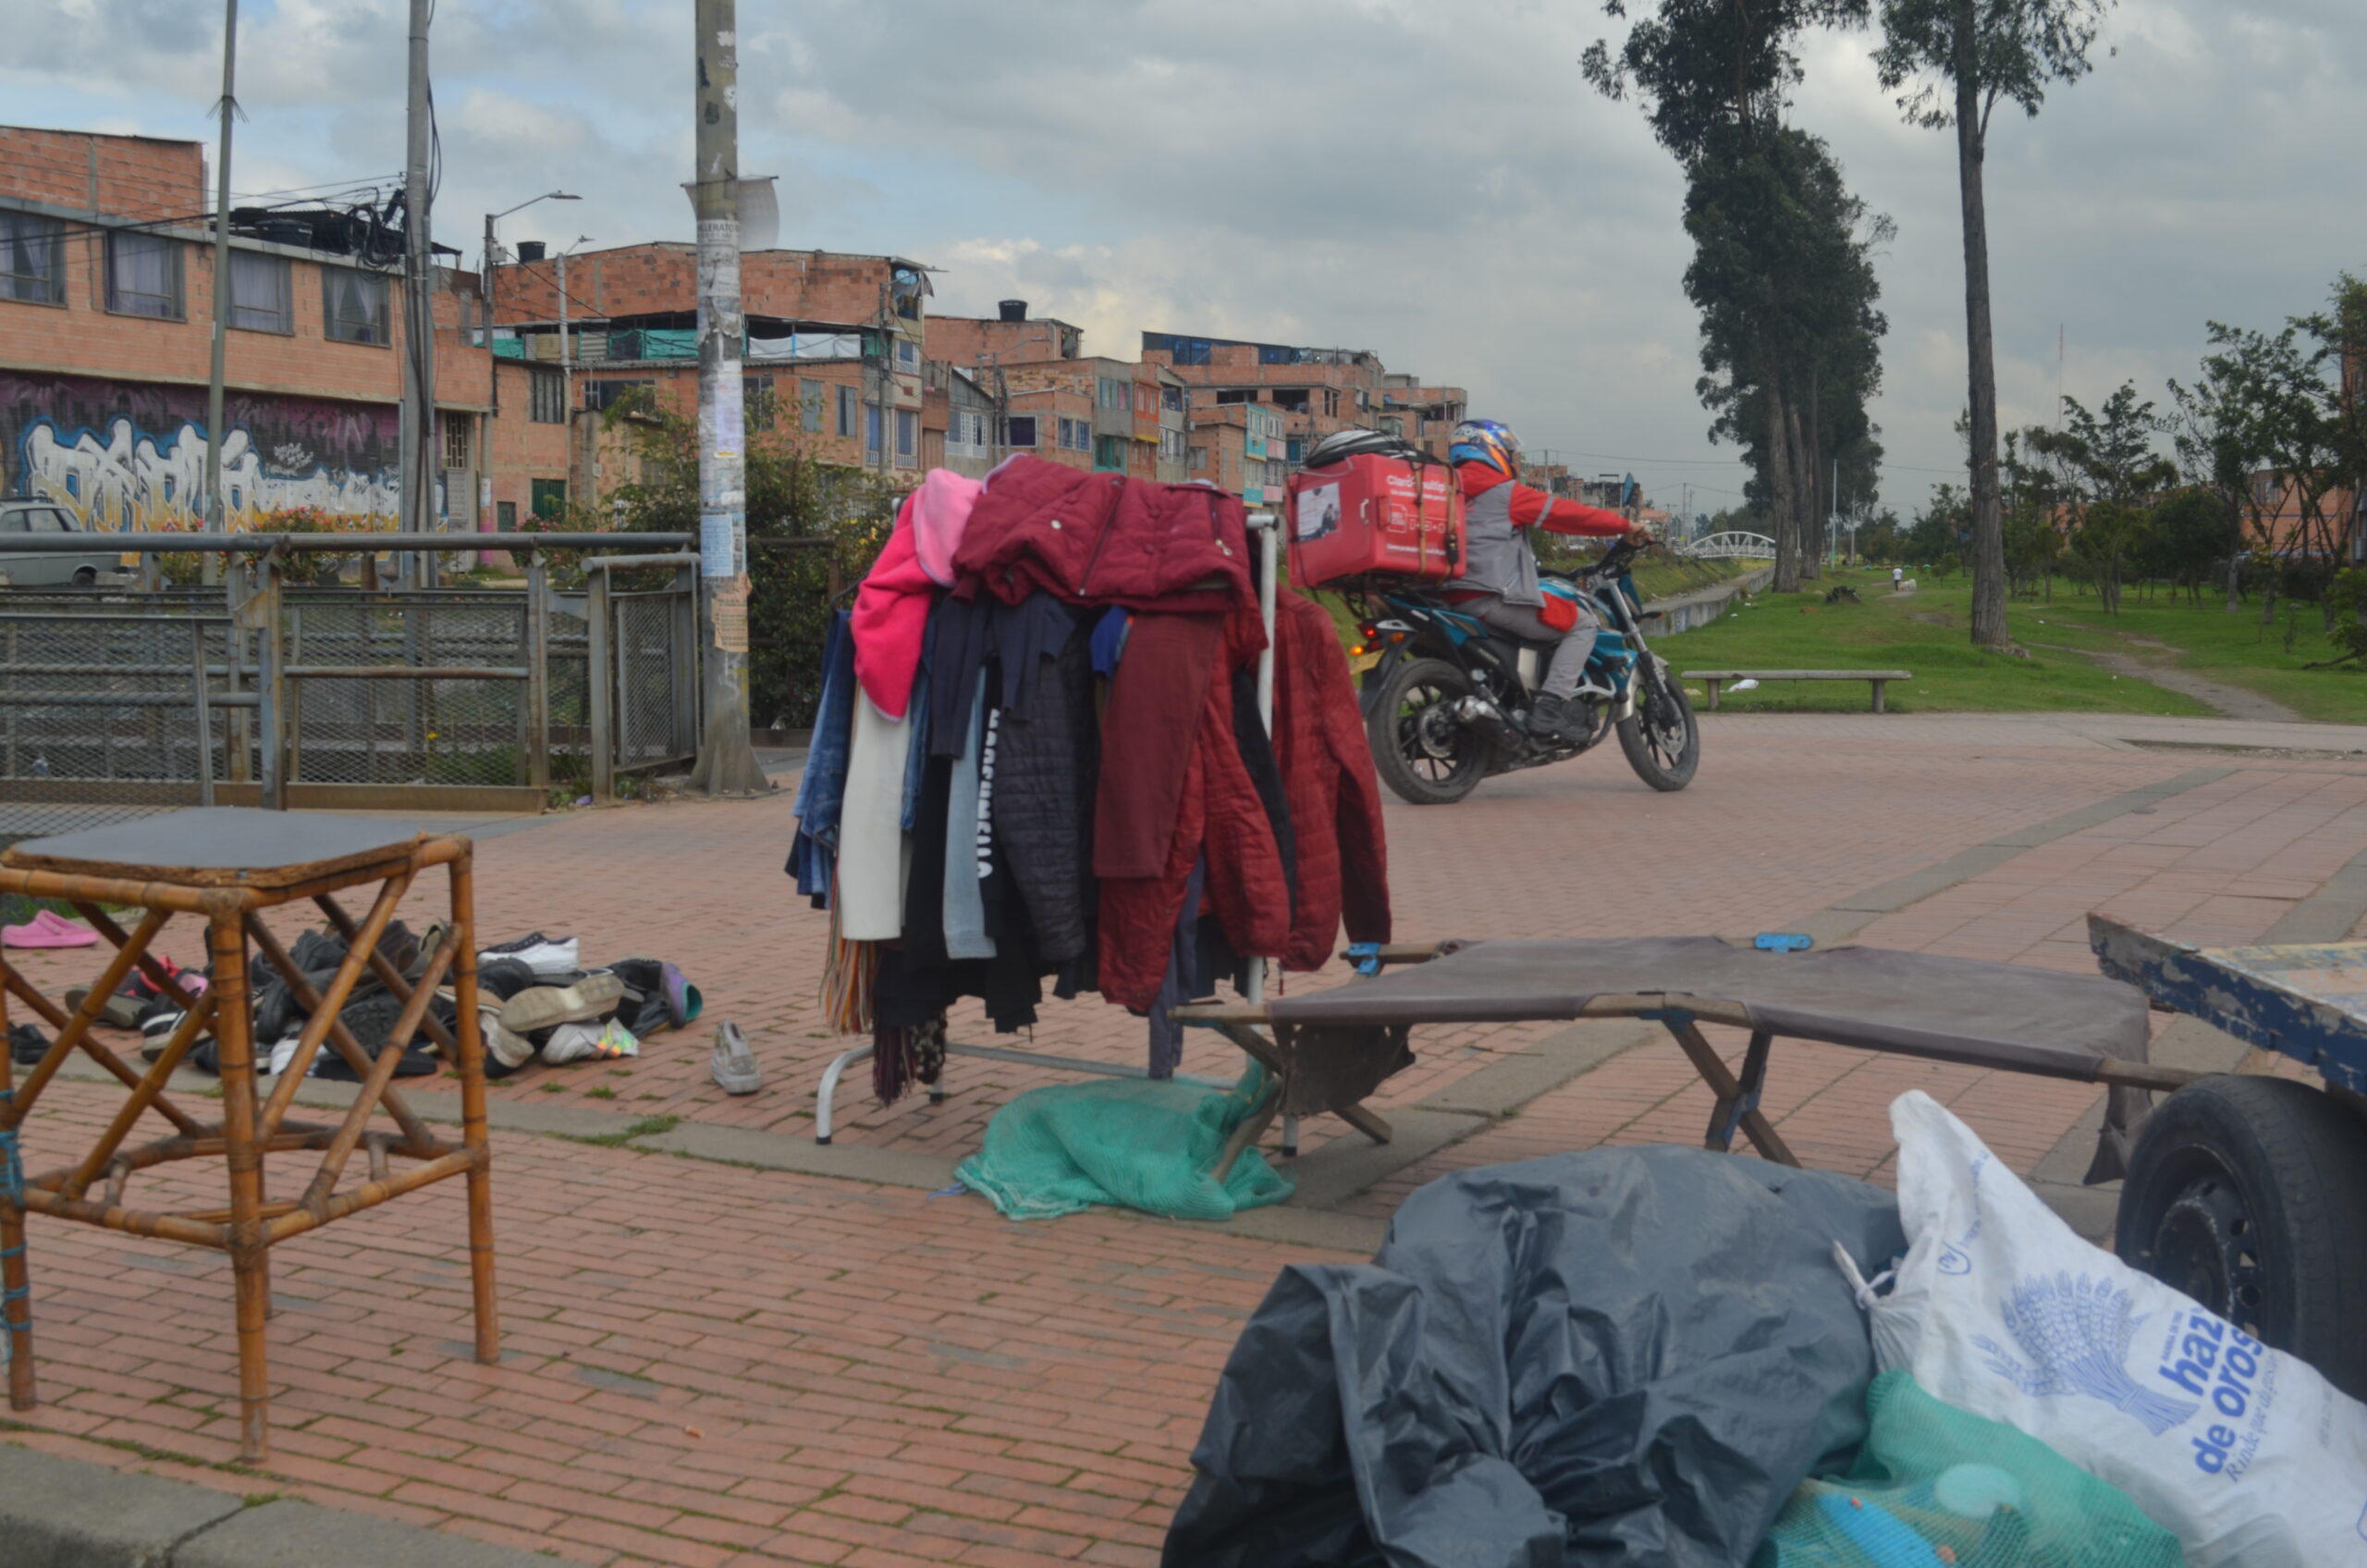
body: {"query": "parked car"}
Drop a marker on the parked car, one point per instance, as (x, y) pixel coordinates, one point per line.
(30, 569)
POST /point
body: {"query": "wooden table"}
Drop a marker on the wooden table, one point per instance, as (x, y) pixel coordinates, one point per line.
(224, 867)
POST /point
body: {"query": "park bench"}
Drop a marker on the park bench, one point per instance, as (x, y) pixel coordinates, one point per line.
(1715, 679)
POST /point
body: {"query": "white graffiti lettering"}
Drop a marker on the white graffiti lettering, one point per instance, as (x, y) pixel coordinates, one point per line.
(135, 481)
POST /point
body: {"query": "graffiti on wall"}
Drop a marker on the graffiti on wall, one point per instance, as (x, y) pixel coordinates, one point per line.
(131, 455)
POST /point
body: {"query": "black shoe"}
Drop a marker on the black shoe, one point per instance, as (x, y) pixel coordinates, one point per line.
(27, 1045)
(503, 978)
(1556, 719)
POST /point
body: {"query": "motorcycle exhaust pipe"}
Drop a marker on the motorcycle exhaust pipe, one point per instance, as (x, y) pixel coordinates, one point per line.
(1481, 714)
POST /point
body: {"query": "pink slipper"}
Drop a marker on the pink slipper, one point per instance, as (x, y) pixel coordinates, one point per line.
(46, 930)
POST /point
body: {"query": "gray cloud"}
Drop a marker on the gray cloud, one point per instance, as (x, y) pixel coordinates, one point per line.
(1432, 182)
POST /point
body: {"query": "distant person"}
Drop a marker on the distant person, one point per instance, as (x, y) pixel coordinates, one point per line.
(1897, 578)
(1499, 582)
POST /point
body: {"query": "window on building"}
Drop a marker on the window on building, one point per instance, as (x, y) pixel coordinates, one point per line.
(546, 498)
(1199, 459)
(846, 410)
(456, 441)
(872, 429)
(1171, 444)
(1116, 394)
(546, 397)
(262, 299)
(756, 401)
(32, 259)
(1297, 449)
(908, 356)
(505, 516)
(144, 276)
(1393, 426)
(603, 394)
(908, 435)
(1110, 453)
(354, 306)
(1172, 396)
(809, 397)
(1019, 430)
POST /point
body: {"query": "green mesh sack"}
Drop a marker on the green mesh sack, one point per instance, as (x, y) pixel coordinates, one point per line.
(1128, 1141)
(1936, 1488)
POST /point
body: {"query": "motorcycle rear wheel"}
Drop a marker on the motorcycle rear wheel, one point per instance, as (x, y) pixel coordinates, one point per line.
(1662, 738)
(1424, 756)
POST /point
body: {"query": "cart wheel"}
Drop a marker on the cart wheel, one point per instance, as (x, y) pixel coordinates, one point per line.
(2246, 1192)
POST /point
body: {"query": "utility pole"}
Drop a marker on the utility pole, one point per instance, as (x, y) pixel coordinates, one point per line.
(727, 765)
(215, 518)
(419, 455)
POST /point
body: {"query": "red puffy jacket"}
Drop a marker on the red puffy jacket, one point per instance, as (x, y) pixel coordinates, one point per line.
(1102, 538)
(1220, 814)
(1328, 779)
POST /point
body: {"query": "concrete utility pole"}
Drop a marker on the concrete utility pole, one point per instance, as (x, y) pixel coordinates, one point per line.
(727, 765)
(215, 518)
(419, 456)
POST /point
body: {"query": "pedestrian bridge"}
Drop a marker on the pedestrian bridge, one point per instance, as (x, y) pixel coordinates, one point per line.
(1731, 546)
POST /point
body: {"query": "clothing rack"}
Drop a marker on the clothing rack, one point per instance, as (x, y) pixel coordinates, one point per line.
(1267, 526)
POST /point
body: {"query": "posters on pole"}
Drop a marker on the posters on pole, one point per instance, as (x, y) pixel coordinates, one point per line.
(732, 615)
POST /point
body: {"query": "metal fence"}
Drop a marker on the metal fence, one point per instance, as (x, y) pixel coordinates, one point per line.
(117, 702)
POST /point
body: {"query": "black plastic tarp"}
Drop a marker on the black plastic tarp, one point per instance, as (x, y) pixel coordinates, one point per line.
(1624, 1356)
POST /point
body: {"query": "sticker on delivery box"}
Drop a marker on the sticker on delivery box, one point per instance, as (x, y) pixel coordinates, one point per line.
(1318, 511)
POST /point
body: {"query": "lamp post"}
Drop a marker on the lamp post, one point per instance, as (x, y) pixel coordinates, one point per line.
(492, 258)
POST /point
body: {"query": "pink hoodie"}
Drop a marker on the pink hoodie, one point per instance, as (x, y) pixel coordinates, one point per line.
(891, 607)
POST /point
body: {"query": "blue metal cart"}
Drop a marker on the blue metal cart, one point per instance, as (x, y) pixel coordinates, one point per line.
(2248, 1191)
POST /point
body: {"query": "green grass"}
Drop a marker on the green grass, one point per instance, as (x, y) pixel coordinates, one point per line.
(1888, 630)
(2235, 649)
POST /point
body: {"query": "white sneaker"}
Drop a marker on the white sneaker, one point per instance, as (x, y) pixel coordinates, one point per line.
(505, 1049)
(544, 955)
(734, 1065)
(589, 1042)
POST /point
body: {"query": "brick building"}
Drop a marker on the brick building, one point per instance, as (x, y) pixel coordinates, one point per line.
(106, 300)
(833, 355)
(1011, 337)
(1240, 448)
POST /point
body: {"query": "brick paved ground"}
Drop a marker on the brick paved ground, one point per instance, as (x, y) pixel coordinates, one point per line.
(710, 1365)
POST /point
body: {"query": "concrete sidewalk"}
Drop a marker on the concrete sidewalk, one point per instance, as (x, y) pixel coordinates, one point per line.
(725, 1345)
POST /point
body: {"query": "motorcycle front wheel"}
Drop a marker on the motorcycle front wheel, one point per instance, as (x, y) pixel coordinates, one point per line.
(1424, 756)
(1661, 738)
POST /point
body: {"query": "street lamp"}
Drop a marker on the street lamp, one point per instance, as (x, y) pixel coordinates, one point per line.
(493, 253)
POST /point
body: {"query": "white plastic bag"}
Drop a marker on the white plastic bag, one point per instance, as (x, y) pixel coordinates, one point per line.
(2247, 1455)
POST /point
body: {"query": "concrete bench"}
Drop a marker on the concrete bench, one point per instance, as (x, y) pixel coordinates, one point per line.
(1715, 679)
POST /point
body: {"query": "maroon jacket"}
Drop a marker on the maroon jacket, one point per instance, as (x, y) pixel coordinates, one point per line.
(1219, 813)
(1102, 538)
(1327, 779)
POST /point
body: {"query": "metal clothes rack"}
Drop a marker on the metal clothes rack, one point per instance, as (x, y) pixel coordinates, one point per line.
(1267, 527)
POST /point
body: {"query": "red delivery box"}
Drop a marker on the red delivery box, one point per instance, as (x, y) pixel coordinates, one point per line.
(1375, 514)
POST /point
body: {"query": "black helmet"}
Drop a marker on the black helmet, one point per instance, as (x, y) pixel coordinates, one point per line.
(1342, 445)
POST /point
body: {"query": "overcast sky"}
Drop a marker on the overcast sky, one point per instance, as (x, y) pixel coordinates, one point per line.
(1431, 181)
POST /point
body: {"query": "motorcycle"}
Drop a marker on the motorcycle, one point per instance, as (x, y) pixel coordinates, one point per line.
(1447, 703)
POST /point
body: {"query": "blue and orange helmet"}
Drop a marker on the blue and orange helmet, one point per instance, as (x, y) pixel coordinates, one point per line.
(1486, 441)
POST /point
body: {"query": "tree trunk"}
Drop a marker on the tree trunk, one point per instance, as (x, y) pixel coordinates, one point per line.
(1806, 527)
(1809, 426)
(1988, 525)
(1784, 503)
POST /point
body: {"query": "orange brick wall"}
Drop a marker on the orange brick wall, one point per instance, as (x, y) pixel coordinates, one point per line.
(636, 280)
(970, 341)
(126, 176)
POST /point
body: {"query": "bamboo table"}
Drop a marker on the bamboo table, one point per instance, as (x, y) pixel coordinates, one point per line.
(225, 866)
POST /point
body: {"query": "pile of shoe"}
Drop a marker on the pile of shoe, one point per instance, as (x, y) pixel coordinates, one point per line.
(533, 999)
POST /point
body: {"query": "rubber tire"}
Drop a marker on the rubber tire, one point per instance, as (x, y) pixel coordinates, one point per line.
(1381, 730)
(1639, 755)
(2298, 1160)
(86, 578)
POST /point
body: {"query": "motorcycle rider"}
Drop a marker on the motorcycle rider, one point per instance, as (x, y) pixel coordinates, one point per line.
(1498, 585)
